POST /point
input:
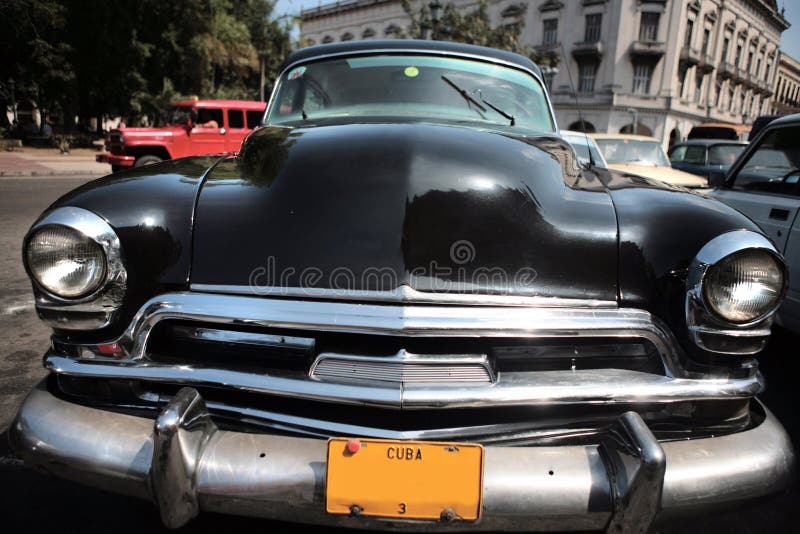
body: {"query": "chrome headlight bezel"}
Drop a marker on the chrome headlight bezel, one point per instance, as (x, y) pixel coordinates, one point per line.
(95, 308)
(709, 329)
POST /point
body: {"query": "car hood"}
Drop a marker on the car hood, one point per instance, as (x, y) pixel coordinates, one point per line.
(663, 173)
(403, 210)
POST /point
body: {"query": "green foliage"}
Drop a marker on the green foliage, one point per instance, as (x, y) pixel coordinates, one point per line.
(474, 27)
(131, 57)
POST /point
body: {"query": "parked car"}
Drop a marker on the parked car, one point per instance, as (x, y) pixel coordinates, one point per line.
(720, 130)
(194, 128)
(703, 156)
(583, 144)
(759, 123)
(644, 156)
(405, 305)
(764, 184)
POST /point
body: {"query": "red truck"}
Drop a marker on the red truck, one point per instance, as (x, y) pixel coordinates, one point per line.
(195, 127)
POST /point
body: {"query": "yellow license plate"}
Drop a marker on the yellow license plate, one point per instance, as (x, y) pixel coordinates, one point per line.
(404, 479)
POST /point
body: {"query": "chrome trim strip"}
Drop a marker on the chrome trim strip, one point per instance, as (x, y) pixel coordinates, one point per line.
(95, 310)
(403, 367)
(404, 320)
(545, 488)
(403, 293)
(544, 388)
(216, 335)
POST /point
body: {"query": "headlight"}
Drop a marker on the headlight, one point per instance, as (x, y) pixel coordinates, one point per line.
(744, 286)
(65, 262)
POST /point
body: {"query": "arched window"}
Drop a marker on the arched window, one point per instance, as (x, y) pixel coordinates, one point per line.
(347, 36)
(327, 39)
(582, 126)
(674, 136)
(368, 33)
(641, 129)
(392, 30)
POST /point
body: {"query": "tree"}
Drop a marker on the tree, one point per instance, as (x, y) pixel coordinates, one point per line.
(475, 27)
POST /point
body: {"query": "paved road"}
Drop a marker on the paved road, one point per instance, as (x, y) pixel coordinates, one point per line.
(32, 502)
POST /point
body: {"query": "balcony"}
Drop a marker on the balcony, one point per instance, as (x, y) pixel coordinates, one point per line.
(707, 63)
(726, 71)
(690, 56)
(647, 50)
(742, 75)
(587, 51)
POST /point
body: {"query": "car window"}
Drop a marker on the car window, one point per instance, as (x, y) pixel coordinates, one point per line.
(676, 156)
(774, 167)
(209, 118)
(413, 87)
(634, 151)
(254, 118)
(235, 118)
(724, 155)
(695, 155)
(582, 150)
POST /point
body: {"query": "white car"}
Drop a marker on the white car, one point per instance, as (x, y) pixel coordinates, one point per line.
(583, 144)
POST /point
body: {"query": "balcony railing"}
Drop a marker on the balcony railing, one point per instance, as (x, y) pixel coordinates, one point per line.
(726, 71)
(648, 49)
(690, 56)
(585, 50)
(707, 63)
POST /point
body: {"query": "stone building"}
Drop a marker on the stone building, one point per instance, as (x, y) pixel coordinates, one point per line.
(670, 63)
(787, 87)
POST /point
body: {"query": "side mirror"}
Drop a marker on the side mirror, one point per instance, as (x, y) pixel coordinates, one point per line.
(716, 178)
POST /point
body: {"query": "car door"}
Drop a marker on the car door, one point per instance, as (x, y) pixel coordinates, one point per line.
(208, 135)
(237, 130)
(765, 186)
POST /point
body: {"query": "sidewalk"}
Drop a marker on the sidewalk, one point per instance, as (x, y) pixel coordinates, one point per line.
(50, 162)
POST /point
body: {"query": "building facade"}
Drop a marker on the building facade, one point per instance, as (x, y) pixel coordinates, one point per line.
(787, 87)
(670, 64)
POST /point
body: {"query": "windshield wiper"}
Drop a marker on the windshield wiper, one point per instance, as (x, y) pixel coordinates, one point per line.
(470, 101)
(500, 111)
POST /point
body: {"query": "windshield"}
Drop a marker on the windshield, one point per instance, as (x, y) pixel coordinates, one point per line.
(634, 151)
(413, 87)
(180, 115)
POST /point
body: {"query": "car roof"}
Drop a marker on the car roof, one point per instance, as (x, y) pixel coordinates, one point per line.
(239, 104)
(622, 136)
(312, 52)
(709, 142)
(738, 128)
(786, 119)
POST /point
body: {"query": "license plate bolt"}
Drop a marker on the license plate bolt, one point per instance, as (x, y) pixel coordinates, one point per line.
(355, 510)
(448, 515)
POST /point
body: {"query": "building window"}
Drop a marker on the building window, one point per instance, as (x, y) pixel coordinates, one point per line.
(717, 93)
(688, 37)
(592, 31)
(766, 73)
(347, 37)
(682, 71)
(549, 31)
(642, 74)
(392, 30)
(698, 85)
(750, 60)
(586, 76)
(706, 39)
(368, 33)
(731, 97)
(739, 47)
(327, 39)
(725, 45)
(648, 31)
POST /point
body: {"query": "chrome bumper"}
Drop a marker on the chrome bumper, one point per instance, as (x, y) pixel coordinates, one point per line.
(185, 464)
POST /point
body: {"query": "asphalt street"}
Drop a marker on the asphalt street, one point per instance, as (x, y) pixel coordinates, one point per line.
(32, 502)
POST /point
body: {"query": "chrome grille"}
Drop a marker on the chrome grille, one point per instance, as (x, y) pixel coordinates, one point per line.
(404, 367)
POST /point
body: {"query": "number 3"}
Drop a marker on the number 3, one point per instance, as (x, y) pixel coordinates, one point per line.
(402, 509)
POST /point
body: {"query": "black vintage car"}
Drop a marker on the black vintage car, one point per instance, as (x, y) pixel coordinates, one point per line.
(404, 304)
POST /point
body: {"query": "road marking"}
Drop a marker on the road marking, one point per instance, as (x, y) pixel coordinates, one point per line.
(18, 306)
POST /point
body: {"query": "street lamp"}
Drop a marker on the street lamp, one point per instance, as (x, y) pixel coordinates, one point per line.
(435, 9)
